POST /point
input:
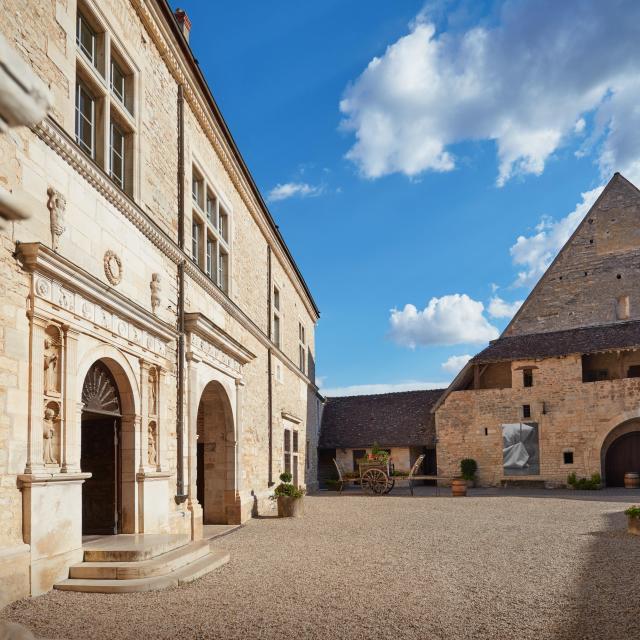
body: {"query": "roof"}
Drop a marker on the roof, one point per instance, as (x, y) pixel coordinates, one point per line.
(623, 335)
(217, 114)
(388, 419)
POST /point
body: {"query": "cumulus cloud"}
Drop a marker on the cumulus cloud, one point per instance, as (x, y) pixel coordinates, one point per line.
(499, 308)
(526, 83)
(367, 389)
(454, 364)
(293, 189)
(534, 253)
(451, 319)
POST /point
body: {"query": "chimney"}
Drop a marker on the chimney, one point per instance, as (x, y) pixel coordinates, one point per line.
(184, 22)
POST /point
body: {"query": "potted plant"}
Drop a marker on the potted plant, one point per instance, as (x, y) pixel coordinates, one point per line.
(468, 469)
(289, 497)
(633, 520)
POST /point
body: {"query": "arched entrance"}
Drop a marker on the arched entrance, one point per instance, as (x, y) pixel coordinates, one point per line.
(101, 452)
(621, 453)
(215, 471)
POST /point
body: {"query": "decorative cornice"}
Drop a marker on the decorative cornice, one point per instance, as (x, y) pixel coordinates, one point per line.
(290, 417)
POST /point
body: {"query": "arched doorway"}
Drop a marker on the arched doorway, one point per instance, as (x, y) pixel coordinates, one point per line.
(215, 470)
(622, 454)
(101, 452)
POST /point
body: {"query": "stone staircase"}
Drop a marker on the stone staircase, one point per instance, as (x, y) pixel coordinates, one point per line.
(128, 563)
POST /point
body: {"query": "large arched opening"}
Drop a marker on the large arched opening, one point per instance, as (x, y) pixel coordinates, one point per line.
(106, 449)
(215, 470)
(621, 453)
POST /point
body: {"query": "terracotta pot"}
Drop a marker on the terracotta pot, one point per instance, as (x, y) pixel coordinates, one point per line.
(459, 488)
(633, 525)
(631, 480)
(290, 507)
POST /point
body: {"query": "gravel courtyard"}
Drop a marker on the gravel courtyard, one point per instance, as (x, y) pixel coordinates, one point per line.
(392, 567)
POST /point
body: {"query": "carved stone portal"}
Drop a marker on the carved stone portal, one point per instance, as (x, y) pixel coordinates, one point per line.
(56, 204)
(113, 267)
(155, 287)
(152, 448)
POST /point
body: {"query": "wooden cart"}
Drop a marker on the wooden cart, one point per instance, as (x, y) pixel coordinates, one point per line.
(376, 477)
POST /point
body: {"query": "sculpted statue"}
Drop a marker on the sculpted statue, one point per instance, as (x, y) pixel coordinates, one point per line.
(49, 431)
(153, 394)
(50, 366)
(152, 454)
(155, 287)
(56, 204)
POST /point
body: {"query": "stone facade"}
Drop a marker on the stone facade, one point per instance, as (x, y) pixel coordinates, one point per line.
(104, 272)
(580, 395)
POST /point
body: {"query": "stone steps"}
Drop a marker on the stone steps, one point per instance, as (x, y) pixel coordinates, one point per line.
(128, 563)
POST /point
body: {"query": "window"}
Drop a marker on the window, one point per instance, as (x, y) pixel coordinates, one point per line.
(302, 348)
(276, 317)
(527, 377)
(196, 232)
(287, 451)
(85, 120)
(118, 82)
(291, 454)
(117, 156)
(213, 258)
(633, 371)
(358, 454)
(567, 457)
(526, 410)
(294, 459)
(86, 39)
(306, 455)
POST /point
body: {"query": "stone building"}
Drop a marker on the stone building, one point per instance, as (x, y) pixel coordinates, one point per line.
(157, 353)
(400, 422)
(559, 391)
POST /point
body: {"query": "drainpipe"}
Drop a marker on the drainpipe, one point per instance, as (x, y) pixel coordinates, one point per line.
(269, 376)
(181, 495)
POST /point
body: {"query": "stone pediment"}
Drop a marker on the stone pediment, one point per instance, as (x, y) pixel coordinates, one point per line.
(213, 343)
(64, 285)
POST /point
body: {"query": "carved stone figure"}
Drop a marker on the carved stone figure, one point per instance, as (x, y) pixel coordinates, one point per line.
(57, 204)
(51, 361)
(153, 393)
(155, 287)
(152, 454)
(49, 431)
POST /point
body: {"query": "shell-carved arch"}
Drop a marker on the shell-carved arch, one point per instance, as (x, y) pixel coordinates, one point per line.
(120, 368)
(227, 397)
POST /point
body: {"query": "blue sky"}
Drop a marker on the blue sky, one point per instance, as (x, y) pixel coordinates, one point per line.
(434, 155)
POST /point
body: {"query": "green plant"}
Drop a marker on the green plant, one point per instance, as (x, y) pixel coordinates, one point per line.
(633, 511)
(468, 468)
(399, 474)
(286, 489)
(584, 484)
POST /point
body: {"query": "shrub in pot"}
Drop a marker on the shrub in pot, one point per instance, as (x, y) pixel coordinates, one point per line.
(468, 469)
(289, 497)
(633, 520)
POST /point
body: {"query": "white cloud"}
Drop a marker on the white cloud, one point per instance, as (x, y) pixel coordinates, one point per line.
(293, 189)
(368, 389)
(499, 308)
(455, 363)
(525, 83)
(451, 319)
(535, 252)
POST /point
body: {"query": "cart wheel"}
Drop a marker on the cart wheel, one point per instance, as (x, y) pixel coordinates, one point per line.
(374, 481)
(391, 482)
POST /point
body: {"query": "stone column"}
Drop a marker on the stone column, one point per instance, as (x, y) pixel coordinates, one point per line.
(72, 405)
(36, 395)
(239, 406)
(159, 421)
(192, 427)
(130, 427)
(144, 414)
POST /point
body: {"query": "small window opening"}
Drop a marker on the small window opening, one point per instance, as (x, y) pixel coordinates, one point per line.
(526, 410)
(486, 431)
(527, 378)
(619, 276)
(567, 457)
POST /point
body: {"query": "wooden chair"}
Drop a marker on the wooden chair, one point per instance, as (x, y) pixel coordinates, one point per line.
(413, 475)
(342, 476)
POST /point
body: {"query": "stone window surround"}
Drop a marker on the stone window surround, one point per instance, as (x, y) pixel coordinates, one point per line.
(108, 107)
(302, 347)
(208, 228)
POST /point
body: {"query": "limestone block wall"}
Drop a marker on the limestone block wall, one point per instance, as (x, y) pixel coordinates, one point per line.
(572, 416)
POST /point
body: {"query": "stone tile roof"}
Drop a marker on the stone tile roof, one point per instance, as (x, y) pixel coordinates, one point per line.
(621, 335)
(388, 419)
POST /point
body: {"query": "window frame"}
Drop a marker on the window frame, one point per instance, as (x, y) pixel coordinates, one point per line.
(121, 181)
(81, 87)
(302, 348)
(81, 20)
(276, 335)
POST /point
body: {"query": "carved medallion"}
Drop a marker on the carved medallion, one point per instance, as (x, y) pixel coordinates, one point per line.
(113, 267)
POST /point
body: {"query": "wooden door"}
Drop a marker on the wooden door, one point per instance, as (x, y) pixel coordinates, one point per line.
(623, 455)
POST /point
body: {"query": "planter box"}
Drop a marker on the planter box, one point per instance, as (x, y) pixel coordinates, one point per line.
(633, 525)
(290, 507)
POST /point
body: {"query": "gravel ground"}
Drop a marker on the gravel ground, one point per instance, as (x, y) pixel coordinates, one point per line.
(391, 567)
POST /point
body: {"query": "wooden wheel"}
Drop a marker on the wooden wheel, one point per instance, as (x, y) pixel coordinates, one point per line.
(375, 481)
(391, 482)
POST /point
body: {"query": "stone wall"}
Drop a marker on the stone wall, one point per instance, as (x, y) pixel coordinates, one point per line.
(572, 416)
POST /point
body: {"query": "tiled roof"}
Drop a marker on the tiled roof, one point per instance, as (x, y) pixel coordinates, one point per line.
(621, 335)
(388, 419)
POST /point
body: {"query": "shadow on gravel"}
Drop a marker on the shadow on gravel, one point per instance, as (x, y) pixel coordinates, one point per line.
(604, 604)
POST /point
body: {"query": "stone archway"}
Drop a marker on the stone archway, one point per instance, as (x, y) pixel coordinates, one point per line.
(215, 457)
(621, 452)
(107, 450)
